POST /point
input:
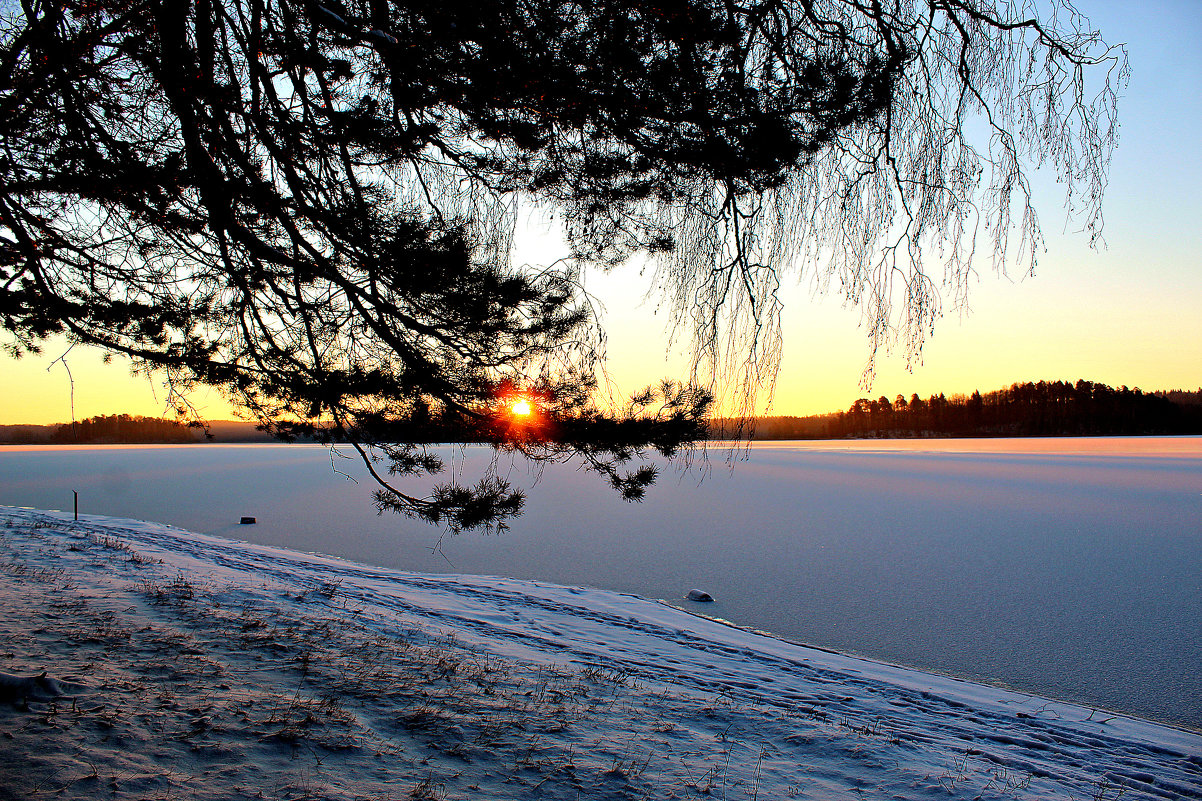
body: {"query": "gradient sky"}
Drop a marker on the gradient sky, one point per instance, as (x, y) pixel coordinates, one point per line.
(1127, 314)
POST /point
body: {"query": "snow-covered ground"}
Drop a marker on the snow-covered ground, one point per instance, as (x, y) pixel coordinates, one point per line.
(181, 665)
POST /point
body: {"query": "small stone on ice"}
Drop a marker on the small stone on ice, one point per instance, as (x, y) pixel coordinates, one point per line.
(698, 595)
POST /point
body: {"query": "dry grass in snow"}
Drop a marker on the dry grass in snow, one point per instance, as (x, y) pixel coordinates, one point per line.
(126, 672)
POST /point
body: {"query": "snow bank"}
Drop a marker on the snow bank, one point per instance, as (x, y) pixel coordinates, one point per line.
(190, 664)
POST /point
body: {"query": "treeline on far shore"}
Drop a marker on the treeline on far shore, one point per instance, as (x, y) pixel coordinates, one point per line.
(130, 429)
(1041, 409)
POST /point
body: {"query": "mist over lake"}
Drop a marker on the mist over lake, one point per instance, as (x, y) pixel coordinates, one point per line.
(1069, 568)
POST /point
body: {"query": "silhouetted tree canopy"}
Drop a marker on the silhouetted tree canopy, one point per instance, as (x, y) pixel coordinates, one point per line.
(311, 204)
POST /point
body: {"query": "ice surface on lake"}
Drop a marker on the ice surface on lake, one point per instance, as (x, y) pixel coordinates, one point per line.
(1071, 568)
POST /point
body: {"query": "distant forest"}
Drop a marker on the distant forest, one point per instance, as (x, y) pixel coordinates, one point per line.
(128, 429)
(104, 429)
(1042, 409)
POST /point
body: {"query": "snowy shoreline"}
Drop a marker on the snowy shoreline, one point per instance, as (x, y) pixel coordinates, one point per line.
(290, 674)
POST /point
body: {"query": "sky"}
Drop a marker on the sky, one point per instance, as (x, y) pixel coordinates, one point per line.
(1126, 314)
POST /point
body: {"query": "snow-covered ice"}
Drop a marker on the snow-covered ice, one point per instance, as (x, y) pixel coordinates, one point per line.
(971, 558)
(200, 667)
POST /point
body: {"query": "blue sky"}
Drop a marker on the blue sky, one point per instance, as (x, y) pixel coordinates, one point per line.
(1128, 313)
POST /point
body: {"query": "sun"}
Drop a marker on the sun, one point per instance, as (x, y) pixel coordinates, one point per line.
(521, 408)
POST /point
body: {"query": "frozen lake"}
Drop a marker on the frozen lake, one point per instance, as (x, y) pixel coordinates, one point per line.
(1070, 568)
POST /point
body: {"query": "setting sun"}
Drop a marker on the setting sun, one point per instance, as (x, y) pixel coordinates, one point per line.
(521, 408)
